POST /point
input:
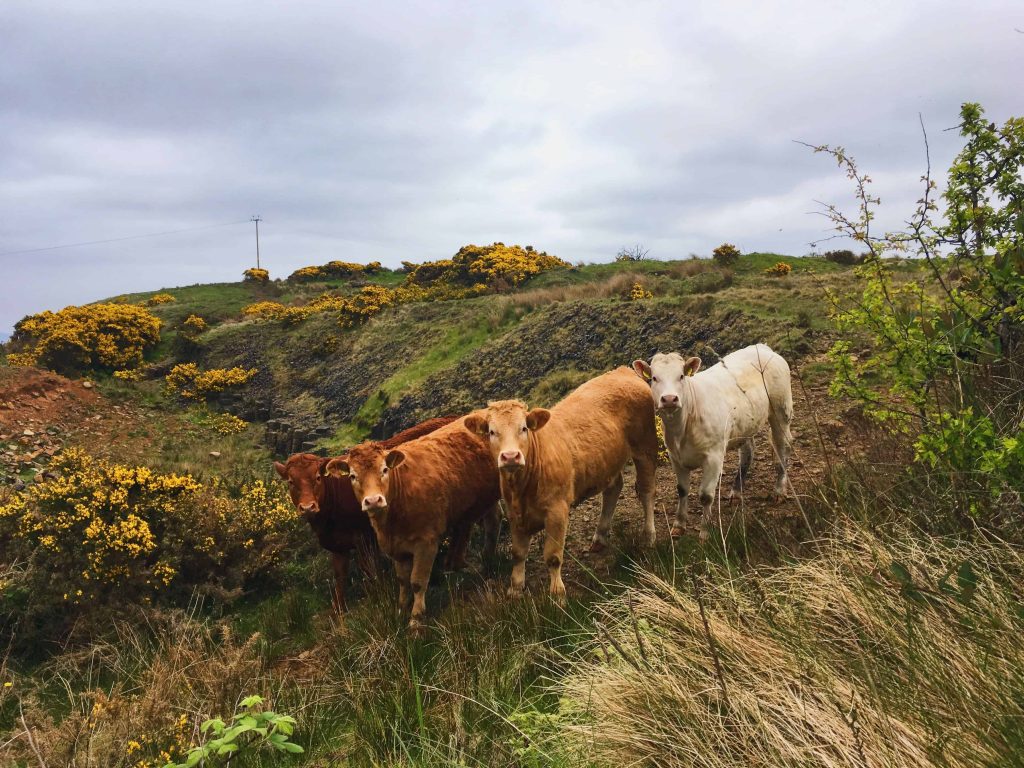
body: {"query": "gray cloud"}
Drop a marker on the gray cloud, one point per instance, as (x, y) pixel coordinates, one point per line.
(401, 131)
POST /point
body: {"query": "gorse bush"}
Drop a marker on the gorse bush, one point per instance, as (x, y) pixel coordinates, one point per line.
(100, 336)
(255, 275)
(160, 298)
(637, 293)
(497, 266)
(335, 270)
(945, 359)
(726, 255)
(779, 269)
(193, 326)
(188, 381)
(102, 531)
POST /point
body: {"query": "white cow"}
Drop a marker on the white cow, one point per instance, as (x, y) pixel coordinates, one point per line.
(705, 414)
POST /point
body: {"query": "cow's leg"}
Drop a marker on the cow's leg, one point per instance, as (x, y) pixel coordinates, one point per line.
(782, 439)
(683, 491)
(457, 544)
(403, 569)
(711, 475)
(491, 523)
(520, 547)
(555, 524)
(422, 563)
(339, 564)
(645, 469)
(609, 498)
(746, 461)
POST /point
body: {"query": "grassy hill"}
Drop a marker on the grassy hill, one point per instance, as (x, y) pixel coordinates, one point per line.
(825, 629)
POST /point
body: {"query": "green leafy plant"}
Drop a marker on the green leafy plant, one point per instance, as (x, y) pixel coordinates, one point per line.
(249, 730)
(944, 333)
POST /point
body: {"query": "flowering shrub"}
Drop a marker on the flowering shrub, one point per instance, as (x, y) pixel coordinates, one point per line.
(187, 381)
(254, 275)
(103, 530)
(726, 254)
(334, 270)
(193, 326)
(361, 306)
(227, 423)
(638, 292)
(134, 374)
(779, 269)
(160, 298)
(498, 266)
(112, 336)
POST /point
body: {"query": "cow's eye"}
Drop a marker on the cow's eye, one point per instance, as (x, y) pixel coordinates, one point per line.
(682, 376)
(384, 470)
(525, 429)
(654, 378)
(492, 433)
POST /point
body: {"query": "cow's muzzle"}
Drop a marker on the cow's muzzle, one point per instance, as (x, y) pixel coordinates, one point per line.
(373, 504)
(668, 402)
(309, 509)
(509, 460)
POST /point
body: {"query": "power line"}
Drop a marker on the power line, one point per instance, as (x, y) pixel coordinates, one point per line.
(121, 239)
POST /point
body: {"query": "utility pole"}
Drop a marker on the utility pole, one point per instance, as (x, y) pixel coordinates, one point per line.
(257, 221)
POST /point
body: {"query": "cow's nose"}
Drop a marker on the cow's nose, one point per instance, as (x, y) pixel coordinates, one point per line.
(669, 400)
(310, 508)
(511, 457)
(375, 502)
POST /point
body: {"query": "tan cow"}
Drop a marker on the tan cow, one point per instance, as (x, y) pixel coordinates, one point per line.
(439, 484)
(551, 460)
(705, 414)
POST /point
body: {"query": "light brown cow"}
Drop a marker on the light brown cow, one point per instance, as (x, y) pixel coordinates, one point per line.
(331, 509)
(551, 460)
(441, 483)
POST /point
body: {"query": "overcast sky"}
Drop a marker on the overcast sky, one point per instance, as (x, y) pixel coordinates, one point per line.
(390, 131)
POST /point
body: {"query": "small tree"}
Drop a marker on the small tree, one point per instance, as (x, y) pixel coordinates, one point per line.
(726, 255)
(636, 253)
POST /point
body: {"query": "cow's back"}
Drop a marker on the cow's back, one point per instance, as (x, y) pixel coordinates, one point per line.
(446, 477)
(601, 424)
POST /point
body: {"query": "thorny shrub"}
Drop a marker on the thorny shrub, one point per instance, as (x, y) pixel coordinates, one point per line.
(256, 275)
(334, 270)
(160, 298)
(106, 336)
(637, 293)
(193, 326)
(497, 266)
(188, 381)
(778, 269)
(726, 255)
(102, 531)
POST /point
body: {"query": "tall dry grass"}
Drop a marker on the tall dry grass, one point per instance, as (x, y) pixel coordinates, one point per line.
(875, 652)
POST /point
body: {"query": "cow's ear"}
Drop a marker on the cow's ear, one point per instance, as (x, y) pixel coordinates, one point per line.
(282, 470)
(322, 469)
(338, 468)
(691, 366)
(394, 458)
(537, 418)
(643, 370)
(476, 424)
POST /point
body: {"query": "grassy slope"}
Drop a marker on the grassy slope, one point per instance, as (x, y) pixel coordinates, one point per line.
(806, 679)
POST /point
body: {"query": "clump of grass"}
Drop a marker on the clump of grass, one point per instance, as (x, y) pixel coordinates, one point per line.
(890, 651)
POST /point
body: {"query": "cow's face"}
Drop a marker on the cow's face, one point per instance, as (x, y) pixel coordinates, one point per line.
(304, 473)
(368, 467)
(667, 376)
(507, 426)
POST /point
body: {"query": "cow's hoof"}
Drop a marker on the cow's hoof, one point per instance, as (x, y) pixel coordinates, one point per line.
(677, 531)
(514, 593)
(597, 546)
(703, 535)
(558, 597)
(417, 628)
(650, 538)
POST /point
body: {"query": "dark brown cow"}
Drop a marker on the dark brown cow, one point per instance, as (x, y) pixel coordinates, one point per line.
(331, 509)
(439, 484)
